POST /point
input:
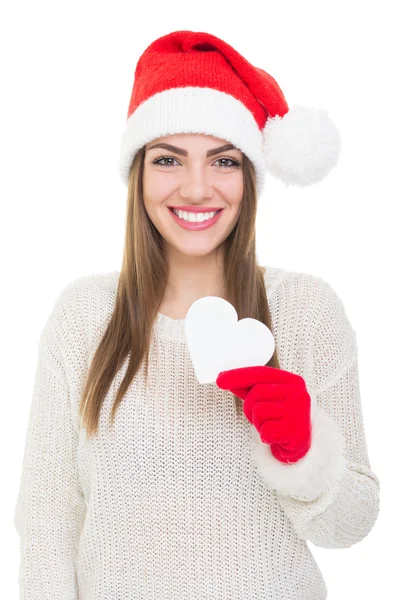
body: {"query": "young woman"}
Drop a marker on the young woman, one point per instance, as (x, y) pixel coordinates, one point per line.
(139, 482)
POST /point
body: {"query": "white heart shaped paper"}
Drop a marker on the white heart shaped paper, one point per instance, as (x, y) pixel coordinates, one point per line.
(217, 341)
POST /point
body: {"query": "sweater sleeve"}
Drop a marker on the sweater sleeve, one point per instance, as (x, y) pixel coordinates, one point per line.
(331, 495)
(50, 507)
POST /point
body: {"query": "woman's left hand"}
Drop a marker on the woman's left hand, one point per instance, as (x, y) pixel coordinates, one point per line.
(277, 403)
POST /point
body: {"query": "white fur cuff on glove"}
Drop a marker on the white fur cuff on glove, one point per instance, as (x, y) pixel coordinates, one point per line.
(320, 469)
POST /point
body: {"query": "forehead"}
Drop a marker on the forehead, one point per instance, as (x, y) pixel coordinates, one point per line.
(190, 141)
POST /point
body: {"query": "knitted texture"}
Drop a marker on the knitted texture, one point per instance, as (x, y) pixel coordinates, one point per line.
(194, 82)
(189, 81)
(173, 502)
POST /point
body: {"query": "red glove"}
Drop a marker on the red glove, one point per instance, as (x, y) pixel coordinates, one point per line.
(277, 403)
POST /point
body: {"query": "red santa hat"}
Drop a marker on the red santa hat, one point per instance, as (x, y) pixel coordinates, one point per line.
(194, 82)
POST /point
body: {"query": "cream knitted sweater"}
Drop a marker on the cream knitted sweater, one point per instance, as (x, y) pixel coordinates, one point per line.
(180, 500)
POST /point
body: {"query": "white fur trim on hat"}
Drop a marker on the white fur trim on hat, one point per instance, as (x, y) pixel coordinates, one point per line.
(319, 470)
(193, 110)
(301, 147)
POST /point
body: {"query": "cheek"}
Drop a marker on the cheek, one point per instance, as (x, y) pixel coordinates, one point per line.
(231, 183)
(157, 184)
(151, 185)
(232, 190)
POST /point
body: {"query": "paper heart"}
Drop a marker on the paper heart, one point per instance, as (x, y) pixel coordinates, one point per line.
(217, 341)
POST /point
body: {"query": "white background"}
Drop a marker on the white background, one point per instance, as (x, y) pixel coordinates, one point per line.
(67, 73)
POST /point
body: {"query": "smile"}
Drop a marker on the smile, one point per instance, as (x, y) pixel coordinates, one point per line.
(195, 221)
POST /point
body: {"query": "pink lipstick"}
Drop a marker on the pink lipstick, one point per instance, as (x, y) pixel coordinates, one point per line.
(196, 225)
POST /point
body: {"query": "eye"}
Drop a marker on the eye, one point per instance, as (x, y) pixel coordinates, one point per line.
(158, 161)
(232, 160)
(234, 163)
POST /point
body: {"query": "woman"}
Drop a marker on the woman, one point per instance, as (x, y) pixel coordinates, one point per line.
(138, 482)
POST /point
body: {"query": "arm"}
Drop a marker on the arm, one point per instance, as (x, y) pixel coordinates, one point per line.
(50, 507)
(331, 495)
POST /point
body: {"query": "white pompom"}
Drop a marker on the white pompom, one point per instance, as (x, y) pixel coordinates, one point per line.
(301, 147)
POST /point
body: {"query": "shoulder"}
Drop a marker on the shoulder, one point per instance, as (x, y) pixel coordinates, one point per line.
(311, 299)
(309, 307)
(302, 288)
(79, 306)
(83, 295)
(85, 286)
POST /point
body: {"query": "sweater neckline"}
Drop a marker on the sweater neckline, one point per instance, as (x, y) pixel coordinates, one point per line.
(168, 328)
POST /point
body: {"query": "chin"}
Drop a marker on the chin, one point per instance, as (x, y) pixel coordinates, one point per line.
(194, 250)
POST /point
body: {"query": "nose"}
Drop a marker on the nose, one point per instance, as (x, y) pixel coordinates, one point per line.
(195, 184)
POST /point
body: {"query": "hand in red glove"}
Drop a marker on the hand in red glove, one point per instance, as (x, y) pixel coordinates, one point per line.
(277, 403)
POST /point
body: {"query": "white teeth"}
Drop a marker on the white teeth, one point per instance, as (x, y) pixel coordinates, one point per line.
(194, 217)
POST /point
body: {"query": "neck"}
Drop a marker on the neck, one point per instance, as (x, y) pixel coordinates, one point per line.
(192, 277)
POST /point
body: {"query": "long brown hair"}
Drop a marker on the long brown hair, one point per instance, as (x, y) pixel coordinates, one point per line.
(141, 287)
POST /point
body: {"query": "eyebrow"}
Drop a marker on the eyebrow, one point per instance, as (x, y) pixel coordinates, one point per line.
(183, 152)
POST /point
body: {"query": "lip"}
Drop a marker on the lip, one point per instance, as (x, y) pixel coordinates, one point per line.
(195, 226)
(197, 208)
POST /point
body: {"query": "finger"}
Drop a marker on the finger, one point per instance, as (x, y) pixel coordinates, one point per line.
(246, 377)
(266, 411)
(263, 392)
(241, 378)
(256, 392)
(241, 392)
(273, 432)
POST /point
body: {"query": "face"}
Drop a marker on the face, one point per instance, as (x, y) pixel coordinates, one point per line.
(197, 174)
